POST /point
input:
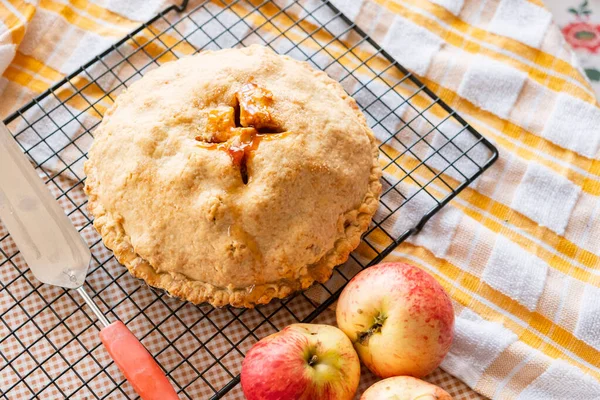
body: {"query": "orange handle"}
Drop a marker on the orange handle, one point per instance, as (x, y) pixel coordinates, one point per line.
(134, 361)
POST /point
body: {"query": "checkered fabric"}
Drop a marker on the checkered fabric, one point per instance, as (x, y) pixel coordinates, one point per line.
(518, 250)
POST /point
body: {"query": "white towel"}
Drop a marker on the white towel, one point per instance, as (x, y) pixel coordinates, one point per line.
(454, 6)
(411, 45)
(438, 233)
(521, 20)
(7, 52)
(477, 343)
(516, 272)
(492, 85)
(546, 198)
(574, 124)
(137, 10)
(588, 325)
(573, 385)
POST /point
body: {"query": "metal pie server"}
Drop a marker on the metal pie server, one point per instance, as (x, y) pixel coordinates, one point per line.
(57, 255)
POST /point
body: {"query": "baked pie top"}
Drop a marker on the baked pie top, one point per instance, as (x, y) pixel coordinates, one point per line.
(233, 177)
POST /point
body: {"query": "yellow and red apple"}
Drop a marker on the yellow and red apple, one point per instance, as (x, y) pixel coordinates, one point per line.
(302, 362)
(404, 388)
(398, 317)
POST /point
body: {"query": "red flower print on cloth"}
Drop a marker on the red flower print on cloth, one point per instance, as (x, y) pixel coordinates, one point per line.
(583, 35)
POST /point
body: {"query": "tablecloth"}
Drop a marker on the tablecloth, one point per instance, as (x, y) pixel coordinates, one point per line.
(519, 249)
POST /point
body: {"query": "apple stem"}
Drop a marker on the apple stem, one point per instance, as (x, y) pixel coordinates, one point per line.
(313, 360)
(363, 337)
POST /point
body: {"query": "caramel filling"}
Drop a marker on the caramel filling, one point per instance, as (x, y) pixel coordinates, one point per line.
(239, 130)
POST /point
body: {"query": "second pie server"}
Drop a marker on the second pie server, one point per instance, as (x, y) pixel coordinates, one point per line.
(57, 255)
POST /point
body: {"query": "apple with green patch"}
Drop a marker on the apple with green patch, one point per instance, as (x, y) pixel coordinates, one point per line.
(399, 318)
(302, 362)
(404, 388)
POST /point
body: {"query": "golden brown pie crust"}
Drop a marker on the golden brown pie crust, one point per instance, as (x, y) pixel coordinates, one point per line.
(170, 198)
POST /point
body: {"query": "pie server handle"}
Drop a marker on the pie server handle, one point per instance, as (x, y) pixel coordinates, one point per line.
(134, 361)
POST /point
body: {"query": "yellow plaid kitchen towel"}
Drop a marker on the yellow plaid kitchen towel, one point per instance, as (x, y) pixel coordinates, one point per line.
(519, 250)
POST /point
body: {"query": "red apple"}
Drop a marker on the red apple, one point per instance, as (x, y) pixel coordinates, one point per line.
(404, 388)
(399, 319)
(303, 361)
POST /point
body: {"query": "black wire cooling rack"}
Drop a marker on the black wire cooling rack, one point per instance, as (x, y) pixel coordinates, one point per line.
(49, 345)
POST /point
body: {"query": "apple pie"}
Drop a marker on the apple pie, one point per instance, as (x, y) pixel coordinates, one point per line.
(233, 177)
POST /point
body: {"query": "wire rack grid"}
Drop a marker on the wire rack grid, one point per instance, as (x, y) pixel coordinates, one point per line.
(48, 341)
